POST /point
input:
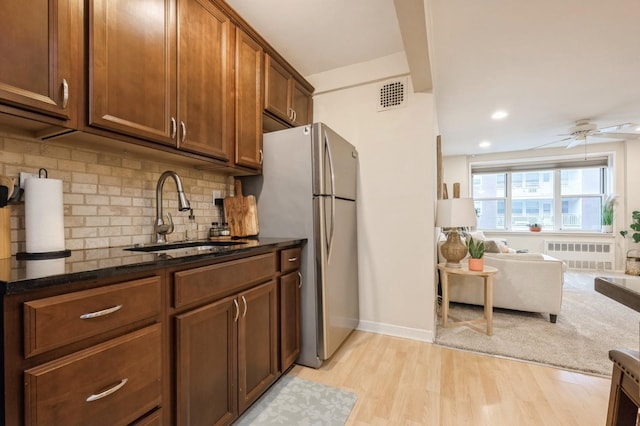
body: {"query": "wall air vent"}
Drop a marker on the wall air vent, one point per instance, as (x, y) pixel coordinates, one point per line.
(392, 94)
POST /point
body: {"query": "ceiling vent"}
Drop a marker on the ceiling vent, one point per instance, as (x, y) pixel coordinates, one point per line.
(392, 94)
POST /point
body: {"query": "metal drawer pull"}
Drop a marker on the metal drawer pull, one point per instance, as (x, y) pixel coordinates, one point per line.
(108, 392)
(65, 93)
(300, 284)
(244, 313)
(101, 313)
(235, 318)
(293, 259)
(183, 131)
(261, 157)
(173, 128)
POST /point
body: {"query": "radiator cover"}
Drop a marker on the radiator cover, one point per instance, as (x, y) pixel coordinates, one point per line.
(583, 255)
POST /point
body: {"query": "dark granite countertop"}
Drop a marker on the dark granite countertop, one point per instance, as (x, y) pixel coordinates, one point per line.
(18, 276)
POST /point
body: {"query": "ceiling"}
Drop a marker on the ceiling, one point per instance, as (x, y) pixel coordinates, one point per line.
(547, 63)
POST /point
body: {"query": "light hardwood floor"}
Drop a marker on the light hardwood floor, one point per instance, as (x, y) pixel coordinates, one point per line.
(406, 382)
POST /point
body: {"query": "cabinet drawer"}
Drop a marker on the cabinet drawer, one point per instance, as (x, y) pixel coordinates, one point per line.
(112, 383)
(290, 259)
(57, 321)
(221, 279)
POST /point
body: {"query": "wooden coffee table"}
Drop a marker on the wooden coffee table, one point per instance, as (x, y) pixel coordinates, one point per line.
(487, 274)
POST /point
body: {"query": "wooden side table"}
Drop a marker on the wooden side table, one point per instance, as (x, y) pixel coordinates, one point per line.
(487, 274)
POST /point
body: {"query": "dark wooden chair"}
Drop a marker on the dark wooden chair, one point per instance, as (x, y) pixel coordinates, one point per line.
(624, 398)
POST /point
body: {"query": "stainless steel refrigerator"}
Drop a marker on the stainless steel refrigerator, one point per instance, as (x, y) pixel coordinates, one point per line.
(308, 189)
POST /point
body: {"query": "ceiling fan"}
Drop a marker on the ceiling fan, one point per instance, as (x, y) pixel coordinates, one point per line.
(578, 134)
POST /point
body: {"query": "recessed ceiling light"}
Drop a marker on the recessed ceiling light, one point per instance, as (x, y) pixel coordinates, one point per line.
(499, 115)
(484, 144)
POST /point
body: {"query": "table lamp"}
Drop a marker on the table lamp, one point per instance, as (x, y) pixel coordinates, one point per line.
(455, 213)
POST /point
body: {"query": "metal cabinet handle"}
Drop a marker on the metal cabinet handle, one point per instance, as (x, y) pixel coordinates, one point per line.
(65, 93)
(244, 313)
(293, 259)
(295, 115)
(183, 131)
(235, 318)
(101, 313)
(173, 128)
(261, 157)
(108, 392)
(300, 276)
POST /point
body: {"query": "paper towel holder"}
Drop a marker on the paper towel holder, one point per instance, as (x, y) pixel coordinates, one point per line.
(23, 255)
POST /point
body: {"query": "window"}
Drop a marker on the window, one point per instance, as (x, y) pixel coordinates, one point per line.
(560, 197)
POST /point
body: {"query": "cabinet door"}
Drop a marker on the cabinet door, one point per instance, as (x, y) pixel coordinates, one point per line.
(289, 319)
(205, 104)
(206, 364)
(302, 105)
(132, 86)
(257, 342)
(248, 140)
(277, 92)
(40, 51)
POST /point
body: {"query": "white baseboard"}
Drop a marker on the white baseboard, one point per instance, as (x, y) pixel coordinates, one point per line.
(396, 331)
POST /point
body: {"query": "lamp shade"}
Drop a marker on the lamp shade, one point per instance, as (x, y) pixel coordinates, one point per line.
(456, 213)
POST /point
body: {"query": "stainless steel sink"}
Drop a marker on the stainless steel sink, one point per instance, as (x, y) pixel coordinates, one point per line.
(183, 246)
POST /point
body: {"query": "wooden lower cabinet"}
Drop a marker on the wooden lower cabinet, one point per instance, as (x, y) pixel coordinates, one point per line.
(290, 338)
(188, 345)
(257, 343)
(206, 364)
(226, 356)
(113, 383)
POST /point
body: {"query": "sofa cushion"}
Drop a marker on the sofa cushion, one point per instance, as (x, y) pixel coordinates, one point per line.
(519, 256)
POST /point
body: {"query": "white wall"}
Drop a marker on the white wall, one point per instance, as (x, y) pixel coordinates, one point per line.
(631, 193)
(395, 195)
(455, 169)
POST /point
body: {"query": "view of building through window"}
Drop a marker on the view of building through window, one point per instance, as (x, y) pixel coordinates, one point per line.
(555, 199)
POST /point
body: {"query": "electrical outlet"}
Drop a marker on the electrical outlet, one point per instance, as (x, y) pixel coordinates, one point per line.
(216, 194)
(24, 176)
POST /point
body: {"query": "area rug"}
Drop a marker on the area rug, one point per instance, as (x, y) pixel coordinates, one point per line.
(588, 326)
(295, 401)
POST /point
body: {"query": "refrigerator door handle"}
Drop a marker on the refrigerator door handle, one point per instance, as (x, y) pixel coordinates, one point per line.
(327, 145)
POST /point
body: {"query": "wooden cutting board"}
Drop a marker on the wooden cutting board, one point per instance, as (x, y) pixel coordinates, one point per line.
(241, 213)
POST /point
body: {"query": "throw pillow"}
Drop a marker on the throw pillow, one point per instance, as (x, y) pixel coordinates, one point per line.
(491, 246)
(502, 247)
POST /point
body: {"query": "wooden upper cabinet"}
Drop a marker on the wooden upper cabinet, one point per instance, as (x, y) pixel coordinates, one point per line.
(284, 97)
(205, 87)
(276, 91)
(41, 58)
(132, 63)
(248, 102)
(301, 104)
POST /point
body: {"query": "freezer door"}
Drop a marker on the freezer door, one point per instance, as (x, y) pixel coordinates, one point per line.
(334, 164)
(337, 256)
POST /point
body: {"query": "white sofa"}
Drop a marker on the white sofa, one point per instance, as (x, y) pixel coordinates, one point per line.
(529, 282)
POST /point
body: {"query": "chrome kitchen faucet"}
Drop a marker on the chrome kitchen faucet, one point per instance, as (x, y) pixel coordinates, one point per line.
(162, 228)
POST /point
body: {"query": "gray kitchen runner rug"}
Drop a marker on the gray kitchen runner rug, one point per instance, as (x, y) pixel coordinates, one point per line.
(589, 325)
(295, 401)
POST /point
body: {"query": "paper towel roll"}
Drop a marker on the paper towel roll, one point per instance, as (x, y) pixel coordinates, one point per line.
(44, 215)
(45, 268)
